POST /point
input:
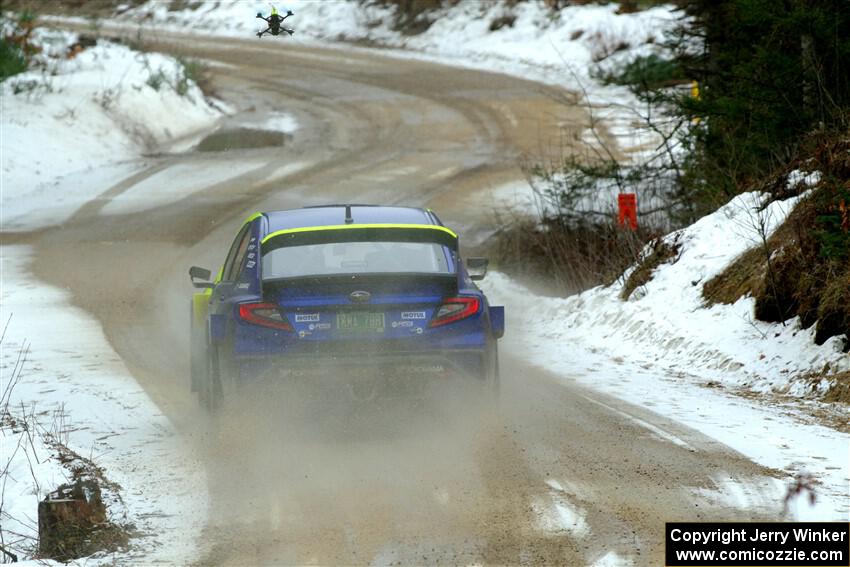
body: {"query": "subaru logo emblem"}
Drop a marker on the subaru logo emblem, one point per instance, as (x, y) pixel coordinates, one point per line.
(360, 296)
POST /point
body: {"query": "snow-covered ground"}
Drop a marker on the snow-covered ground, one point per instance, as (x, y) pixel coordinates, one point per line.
(68, 133)
(80, 389)
(663, 349)
(664, 323)
(82, 124)
(155, 191)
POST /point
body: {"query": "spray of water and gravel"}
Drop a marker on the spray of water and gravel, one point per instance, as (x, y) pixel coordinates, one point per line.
(330, 480)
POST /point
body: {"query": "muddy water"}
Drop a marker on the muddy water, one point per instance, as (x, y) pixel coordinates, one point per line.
(242, 139)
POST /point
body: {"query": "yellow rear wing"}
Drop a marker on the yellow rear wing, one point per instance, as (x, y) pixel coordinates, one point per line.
(426, 233)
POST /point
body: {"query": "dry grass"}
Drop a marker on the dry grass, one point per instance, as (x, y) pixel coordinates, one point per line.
(809, 273)
(743, 276)
(746, 274)
(24, 428)
(413, 17)
(198, 72)
(839, 388)
(603, 44)
(833, 310)
(660, 252)
(71, 532)
(572, 258)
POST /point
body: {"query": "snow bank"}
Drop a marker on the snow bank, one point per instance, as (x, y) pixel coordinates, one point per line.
(665, 350)
(665, 324)
(69, 131)
(29, 472)
(86, 119)
(77, 385)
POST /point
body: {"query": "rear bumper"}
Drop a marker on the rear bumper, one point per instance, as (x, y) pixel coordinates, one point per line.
(342, 366)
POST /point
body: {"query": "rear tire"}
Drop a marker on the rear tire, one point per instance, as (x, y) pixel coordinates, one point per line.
(211, 393)
(492, 374)
(197, 355)
(492, 385)
(497, 374)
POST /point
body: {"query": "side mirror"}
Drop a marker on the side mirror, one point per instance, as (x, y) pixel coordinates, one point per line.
(477, 268)
(259, 14)
(201, 274)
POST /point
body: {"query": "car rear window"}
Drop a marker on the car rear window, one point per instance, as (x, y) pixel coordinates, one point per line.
(355, 258)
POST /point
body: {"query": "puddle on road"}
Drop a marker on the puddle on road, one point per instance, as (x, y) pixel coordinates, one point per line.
(242, 139)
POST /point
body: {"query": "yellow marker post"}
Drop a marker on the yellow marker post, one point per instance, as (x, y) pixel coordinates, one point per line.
(696, 96)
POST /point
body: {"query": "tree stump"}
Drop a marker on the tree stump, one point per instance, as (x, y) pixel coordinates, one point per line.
(67, 518)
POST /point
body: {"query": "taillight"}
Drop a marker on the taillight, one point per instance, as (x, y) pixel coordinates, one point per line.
(265, 314)
(455, 309)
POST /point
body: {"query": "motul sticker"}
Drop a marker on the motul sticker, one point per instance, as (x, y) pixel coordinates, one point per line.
(306, 317)
(412, 314)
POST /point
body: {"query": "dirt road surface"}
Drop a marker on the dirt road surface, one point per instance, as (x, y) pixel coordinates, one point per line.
(564, 476)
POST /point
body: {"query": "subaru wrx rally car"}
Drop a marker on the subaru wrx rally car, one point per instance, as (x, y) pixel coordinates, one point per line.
(343, 294)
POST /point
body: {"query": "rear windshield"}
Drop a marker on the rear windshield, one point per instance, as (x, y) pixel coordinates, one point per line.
(355, 258)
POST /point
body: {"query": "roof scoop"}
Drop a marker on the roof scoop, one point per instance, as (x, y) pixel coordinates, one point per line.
(348, 219)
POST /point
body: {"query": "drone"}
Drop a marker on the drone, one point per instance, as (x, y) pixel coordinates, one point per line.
(274, 22)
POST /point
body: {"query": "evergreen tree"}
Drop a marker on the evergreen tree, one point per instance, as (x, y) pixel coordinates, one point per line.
(770, 72)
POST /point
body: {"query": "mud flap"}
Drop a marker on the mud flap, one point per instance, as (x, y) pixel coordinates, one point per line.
(497, 321)
(197, 341)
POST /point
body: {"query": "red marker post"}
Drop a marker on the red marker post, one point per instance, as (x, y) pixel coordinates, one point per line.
(627, 203)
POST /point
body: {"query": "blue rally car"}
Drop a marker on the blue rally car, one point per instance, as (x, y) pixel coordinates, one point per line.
(372, 298)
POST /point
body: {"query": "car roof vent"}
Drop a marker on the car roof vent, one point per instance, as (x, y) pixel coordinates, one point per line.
(348, 219)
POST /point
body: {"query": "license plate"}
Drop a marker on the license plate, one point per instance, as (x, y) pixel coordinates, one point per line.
(360, 321)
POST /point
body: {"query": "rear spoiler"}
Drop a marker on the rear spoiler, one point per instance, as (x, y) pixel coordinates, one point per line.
(426, 233)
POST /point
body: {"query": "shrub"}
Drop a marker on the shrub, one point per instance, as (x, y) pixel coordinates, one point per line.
(16, 47)
(839, 388)
(776, 296)
(196, 72)
(834, 307)
(647, 73)
(572, 257)
(156, 79)
(12, 60)
(832, 224)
